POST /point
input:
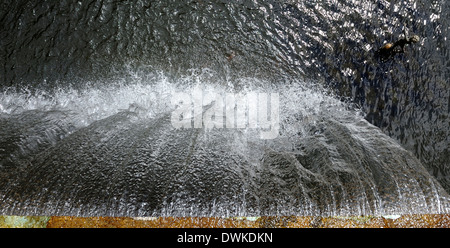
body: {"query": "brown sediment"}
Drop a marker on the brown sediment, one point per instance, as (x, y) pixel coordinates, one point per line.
(418, 221)
(404, 221)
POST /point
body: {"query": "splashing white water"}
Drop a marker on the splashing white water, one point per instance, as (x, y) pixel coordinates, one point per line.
(150, 98)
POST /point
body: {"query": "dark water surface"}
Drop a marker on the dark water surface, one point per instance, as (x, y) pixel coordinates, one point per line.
(75, 73)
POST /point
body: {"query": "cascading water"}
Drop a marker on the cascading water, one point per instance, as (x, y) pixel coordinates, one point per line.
(113, 151)
(86, 110)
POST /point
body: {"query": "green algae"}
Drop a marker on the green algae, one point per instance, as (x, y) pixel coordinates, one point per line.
(23, 221)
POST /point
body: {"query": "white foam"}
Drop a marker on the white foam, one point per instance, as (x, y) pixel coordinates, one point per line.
(152, 97)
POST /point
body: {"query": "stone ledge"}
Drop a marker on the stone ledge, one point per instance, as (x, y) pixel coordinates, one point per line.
(404, 221)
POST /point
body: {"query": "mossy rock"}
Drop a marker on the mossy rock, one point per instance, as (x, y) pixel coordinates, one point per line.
(23, 221)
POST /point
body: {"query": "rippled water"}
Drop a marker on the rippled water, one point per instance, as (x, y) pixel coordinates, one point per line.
(85, 105)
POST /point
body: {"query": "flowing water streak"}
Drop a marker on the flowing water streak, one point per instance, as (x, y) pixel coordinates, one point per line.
(117, 154)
